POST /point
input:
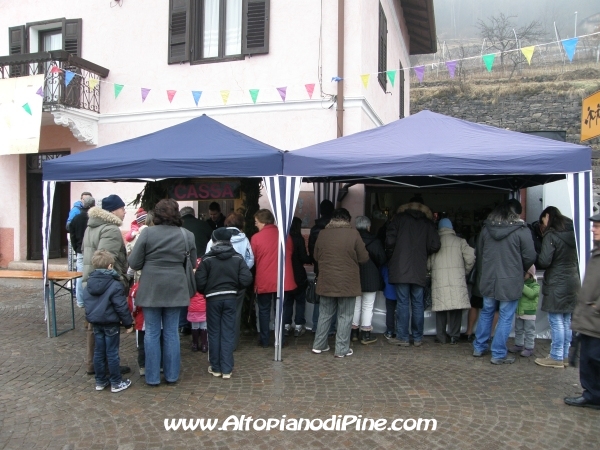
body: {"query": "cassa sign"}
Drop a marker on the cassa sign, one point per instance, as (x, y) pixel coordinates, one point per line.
(214, 190)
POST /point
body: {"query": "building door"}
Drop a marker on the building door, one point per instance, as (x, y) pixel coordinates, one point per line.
(35, 208)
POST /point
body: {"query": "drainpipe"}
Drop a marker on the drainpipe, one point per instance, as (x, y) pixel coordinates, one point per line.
(340, 71)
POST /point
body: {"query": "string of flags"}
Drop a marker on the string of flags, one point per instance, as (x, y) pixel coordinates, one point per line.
(569, 46)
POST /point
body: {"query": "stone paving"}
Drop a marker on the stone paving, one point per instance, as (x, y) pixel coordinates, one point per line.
(48, 401)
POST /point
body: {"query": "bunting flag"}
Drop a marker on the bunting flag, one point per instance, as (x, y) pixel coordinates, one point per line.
(170, 95)
(118, 89)
(569, 46)
(419, 71)
(365, 79)
(528, 53)
(336, 79)
(254, 94)
(27, 108)
(55, 69)
(310, 88)
(392, 76)
(451, 66)
(489, 61)
(92, 83)
(40, 92)
(68, 76)
(145, 92)
(197, 95)
(225, 96)
(282, 92)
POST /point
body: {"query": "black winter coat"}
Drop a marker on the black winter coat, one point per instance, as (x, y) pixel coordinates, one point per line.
(299, 258)
(504, 253)
(410, 238)
(77, 230)
(320, 224)
(561, 278)
(104, 299)
(370, 276)
(200, 229)
(222, 272)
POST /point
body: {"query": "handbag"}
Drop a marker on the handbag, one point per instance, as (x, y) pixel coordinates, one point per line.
(311, 291)
(189, 267)
(472, 277)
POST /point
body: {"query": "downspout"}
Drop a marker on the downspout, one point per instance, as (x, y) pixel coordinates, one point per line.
(340, 70)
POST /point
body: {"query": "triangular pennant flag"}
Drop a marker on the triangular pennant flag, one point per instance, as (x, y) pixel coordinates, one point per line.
(419, 72)
(197, 95)
(365, 79)
(310, 88)
(55, 69)
(569, 46)
(92, 83)
(118, 89)
(451, 66)
(145, 92)
(528, 53)
(171, 94)
(282, 92)
(254, 94)
(392, 76)
(27, 108)
(40, 92)
(69, 76)
(489, 61)
(225, 96)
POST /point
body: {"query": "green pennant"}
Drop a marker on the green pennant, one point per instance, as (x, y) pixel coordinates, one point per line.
(118, 88)
(392, 76)
(254, 94)
(27, 108)
(489, 61)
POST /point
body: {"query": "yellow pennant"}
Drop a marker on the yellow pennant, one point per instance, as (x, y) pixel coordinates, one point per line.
(92, 83)
(365, 79)
(225, 96)
(528, 52)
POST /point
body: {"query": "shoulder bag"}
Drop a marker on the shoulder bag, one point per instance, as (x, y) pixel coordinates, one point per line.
(189, 267)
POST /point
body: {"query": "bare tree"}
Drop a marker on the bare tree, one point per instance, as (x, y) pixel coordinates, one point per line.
(499, 34)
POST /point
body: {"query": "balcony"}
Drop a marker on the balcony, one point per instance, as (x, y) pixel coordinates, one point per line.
(71, 105)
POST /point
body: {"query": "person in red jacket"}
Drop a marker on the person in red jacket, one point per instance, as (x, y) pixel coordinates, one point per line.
(264, 246)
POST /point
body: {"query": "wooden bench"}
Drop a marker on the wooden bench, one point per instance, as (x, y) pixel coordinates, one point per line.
(57, 281)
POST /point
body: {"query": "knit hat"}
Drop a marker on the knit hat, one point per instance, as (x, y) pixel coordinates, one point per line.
(222, 234)
(445, 223)
(140, 216)
(112, 203)
(595, 218)
(531, 271)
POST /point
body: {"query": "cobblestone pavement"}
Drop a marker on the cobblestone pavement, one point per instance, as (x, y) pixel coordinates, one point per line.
(48, 401)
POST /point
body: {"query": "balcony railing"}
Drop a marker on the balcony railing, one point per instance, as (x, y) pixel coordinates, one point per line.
(83, 92)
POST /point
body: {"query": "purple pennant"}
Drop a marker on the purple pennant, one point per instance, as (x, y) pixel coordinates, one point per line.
(145, 92)
(451, 65)
(420, 71)
(40, 92)
(282, 91)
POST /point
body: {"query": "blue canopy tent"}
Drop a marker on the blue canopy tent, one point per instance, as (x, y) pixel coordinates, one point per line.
(432, 150)
(201, 147)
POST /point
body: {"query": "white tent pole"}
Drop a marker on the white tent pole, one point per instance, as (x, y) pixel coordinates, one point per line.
(48, 195)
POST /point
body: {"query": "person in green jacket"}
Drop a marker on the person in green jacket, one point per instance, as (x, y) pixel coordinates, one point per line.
(525, 320)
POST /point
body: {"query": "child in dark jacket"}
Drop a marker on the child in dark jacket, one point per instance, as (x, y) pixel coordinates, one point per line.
(222, 273)
(106, 308)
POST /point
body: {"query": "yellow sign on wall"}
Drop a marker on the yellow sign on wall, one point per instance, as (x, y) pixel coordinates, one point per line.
(590, 117)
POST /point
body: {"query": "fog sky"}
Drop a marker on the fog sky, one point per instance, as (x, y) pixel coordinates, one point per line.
(457, 18)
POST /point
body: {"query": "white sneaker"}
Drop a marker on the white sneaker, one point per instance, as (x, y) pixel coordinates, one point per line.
(350, 353)
(214, 374)
(226, 376)
(317, 351)
(121, 386)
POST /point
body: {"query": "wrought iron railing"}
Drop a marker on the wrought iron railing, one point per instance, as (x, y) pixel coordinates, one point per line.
(83, 91)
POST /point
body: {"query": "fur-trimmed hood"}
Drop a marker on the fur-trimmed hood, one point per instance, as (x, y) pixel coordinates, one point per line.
(337, 223)
(98, 216)
(416, 207)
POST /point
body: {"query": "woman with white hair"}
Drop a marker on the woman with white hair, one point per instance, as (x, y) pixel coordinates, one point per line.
(370, 283)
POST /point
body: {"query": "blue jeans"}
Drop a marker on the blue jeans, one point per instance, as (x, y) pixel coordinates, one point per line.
(265, 303)
(414, 292)
(220, 319)
(170, 353)
(288, 308)
(107, 339)
(315, 319)
(79, 281)
(484, 326)
(183, 322)
(560, 331)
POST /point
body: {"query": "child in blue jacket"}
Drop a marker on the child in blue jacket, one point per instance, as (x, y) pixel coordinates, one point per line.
(106, 309)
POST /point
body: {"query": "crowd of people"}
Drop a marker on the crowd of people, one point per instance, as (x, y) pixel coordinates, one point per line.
(415, 261)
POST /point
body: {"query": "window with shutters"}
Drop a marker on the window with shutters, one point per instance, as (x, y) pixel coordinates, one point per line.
(202, 31)
(33, 37)
(382, 47)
